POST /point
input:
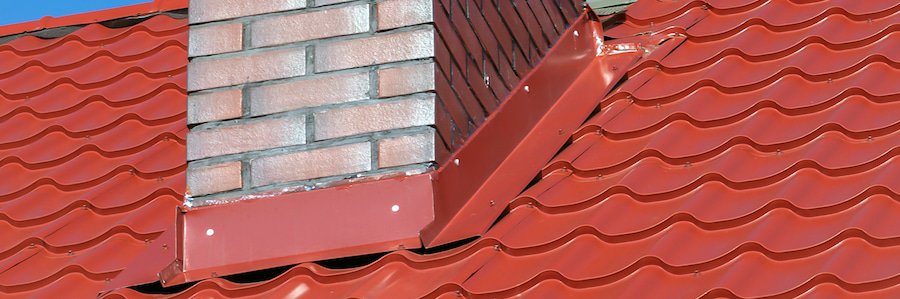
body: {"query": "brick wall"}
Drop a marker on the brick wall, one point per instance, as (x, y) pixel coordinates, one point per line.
(288, 93)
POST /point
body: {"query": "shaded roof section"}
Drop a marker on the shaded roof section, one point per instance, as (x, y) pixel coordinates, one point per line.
(92, 156)
(752, 152)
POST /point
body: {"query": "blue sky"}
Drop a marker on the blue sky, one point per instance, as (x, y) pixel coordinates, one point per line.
(18, 11)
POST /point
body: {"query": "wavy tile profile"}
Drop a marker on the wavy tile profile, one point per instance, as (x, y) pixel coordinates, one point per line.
(92, 155)
(754, 153)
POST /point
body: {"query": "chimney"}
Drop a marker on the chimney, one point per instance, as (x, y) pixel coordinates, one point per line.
(295, 94)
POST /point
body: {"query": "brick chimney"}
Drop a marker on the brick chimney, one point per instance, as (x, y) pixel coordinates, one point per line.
(299, 93)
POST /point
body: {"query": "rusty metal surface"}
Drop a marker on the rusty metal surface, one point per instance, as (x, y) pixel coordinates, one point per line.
(91, 155)
(353, 219)
(723, 166)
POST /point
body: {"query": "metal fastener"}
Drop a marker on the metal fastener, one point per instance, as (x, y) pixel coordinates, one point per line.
(456, 162)
(492, 203)
(395, 208)
(210, 232)
(527, 89)
(576, 33)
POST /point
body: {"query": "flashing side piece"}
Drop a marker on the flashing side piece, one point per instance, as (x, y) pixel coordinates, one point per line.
(505, 154)
(348, 220)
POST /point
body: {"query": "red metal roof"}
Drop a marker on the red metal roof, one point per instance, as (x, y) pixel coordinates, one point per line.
(751, 152)
(149, 7)
(92, 157)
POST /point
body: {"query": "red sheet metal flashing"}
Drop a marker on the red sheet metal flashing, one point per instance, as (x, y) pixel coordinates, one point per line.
(503, 155)
(343, 221)
(94, 16)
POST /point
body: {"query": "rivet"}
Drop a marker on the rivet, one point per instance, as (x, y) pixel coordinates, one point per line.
(395, 208)
(497, 247)
(560, 131)
(705, 7)
(778, 152)
(531, 204)
(869, 138)
(70, 253)
(696, 273)
(84, 207)
(599, 176)
(658, 67)
(459, 294)
(576, 33)
(869, 21)
(658, 106)
(401, 247)
(210, 232)
(170, 76)
(830, 81)
(456, 162)
(31, 245)
(527, 89)
(652, 24)
(165, 246)
(214, 274)
(687, 164)
(131, 171)
(492, 203)
(146, 241)
(107, 280)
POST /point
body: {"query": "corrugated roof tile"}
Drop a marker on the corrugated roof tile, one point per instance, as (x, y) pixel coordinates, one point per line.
(758, 159)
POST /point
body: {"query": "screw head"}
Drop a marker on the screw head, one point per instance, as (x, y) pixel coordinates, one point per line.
(210, 232)
(395, 208)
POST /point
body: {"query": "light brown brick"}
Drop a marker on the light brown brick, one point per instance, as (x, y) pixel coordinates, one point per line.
(210, 179)
(406, 150)
(210, 106)
(401, 13)
(330, 161)
(215, 39)
(246, 136)
(211, 10)
(405, 80)
(209, 72)
(374, 117)
(375, 50)
(309, 92)
(311, 25)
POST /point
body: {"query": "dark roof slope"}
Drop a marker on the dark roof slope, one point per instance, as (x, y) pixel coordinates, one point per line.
(753, 153)
(91, 155)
